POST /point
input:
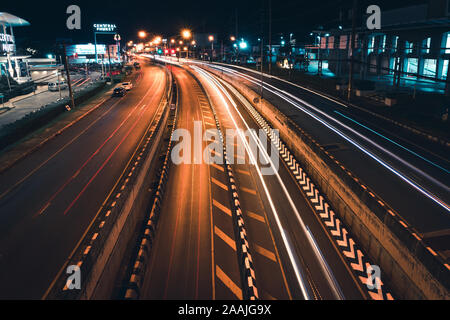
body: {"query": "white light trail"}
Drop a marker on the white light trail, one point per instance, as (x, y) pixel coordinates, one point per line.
(333, 285)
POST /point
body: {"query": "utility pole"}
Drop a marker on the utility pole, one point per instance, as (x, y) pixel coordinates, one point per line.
(237, 34)
(270, 36)
(350, 78)
(262, 49)
(69, 83)
(447, 83)
(109, 60)
(7, 76)
(236, 22)
(59, 84)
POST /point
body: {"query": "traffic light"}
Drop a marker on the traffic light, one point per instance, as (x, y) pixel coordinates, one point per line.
(166, 51)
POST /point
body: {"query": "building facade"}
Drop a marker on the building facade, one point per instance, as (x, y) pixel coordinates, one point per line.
(413, 43)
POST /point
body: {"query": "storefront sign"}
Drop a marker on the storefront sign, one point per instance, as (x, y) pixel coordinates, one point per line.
(6, 37)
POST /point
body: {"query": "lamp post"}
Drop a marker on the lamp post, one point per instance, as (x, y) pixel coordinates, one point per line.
(143, 35)
(211, 39)
(186, 34)
(68, 77)
(117, 39)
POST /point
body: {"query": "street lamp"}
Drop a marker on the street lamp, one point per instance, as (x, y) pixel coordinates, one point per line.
(186, 34)
(142, 34)
(157, 40)
(117, 38)
(243, 44)
(211, 39)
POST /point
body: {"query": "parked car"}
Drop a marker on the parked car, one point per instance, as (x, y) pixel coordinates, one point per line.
(127, 85)
(119, 92)
(137, 65)
(53, 86)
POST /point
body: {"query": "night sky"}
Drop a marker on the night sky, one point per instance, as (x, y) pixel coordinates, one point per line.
(48, 18)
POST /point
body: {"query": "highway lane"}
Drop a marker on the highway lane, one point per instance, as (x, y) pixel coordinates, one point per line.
(48, 200)
(278, 218)
(194, 253)
(411, 161)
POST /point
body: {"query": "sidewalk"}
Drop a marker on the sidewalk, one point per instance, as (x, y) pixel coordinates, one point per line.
(35, 140)
(20, 106)
(54, 128)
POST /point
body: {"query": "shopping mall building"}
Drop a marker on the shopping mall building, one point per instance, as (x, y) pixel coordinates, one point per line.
(10, 63)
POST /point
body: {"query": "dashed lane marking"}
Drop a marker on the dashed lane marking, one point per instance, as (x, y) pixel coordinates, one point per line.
(228, 283)
(220, 184)
(44, 208)
(266, 253)
(251, 191)
(220, 168)
(243, 172)
(256, 216)
(222, 235)
(221, 207)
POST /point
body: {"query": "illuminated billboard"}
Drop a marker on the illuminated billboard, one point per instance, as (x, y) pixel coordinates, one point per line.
(85, 49)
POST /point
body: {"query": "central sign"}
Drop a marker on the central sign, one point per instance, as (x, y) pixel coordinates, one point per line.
(105, 27)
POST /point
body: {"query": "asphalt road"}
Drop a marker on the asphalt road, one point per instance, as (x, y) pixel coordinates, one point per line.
(194, 253)
(48, 200)
(277, 218)
(412, 159)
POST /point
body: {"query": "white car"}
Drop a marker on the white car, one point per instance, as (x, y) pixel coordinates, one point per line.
(53, 86)
(127, 85)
